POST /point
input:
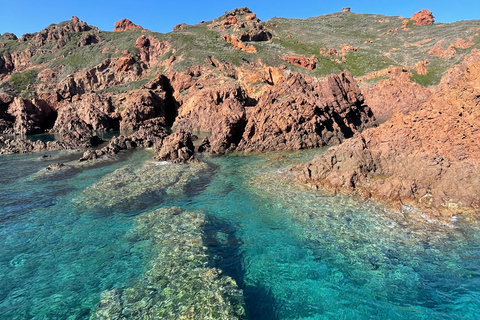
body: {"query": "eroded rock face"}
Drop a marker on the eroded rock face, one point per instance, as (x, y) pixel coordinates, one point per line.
(97, 111)
(305, 113)
(177, 148)
(303, 62)
(74, 131)
(397, 93)
(15, 61)
(109, 73)
(151, 133)
(151, 49)
(20, 116)
(429, 157)
(139, 106)
(423, 18)
(124, 25)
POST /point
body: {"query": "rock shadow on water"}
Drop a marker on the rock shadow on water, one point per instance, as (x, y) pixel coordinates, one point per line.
(225, 254)
(178, 282)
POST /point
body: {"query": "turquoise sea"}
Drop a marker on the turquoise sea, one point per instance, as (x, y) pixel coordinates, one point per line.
(128, 238)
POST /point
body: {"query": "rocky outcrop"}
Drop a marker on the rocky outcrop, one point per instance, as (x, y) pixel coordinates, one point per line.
(303, 112)
(97, 111)
(88, 39)
(151, 49)
(397, 93)
(74, 132)
(423, 18)
(21, 145)
(46, 41)
(109, 73)
(242, 21)
(9, 36)
(429, 157)
(124, 25)
(242, 26)
(20, 116)
(205, 108)
(150, 134)
(15, 61)
(177, 148)
(210, 107)
(139, 106)
(238, 44)
(438, 49)
(303, 62)
(61, 34)
(30, 118)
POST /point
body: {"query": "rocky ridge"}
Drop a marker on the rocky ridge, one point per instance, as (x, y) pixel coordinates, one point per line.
(73, 80)
(429, 158)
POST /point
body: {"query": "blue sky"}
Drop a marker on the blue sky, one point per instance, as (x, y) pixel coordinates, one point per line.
(21, 16)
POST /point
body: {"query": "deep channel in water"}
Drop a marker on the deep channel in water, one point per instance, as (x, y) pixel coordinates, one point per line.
(69, 237)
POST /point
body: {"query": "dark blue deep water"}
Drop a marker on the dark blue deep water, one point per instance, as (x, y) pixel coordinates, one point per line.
(66, 238)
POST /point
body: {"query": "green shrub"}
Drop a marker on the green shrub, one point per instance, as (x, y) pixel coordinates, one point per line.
(19, 81)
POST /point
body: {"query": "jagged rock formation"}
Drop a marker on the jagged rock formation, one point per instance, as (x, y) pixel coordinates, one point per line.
(296, 113)
(124, 25)
(429, 157)
(242, 26)
(397, 93)
(150, 134)
(71, 76)
(305, 113)
(177, 148)
(151, 49)
(74, 131)
(304, 62)
(216, 109)
(423, 17)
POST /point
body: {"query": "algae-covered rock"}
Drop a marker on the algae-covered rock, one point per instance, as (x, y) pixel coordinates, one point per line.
(179, 283)
(127, 188)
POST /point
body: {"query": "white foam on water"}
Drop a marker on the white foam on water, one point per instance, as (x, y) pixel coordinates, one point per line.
(161, 163)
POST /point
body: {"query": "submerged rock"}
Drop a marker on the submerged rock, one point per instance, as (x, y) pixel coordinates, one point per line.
(125, 188)
(179, 284)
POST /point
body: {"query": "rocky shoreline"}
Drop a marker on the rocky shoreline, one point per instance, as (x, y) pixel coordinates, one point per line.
(425, 153)
(429, 157)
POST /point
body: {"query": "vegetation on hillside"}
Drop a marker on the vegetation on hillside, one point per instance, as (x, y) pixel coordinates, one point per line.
(379, 41)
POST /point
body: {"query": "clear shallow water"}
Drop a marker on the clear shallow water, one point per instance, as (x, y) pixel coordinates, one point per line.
(296, 253)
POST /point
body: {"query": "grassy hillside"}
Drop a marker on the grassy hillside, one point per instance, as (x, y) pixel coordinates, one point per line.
(380, 41)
